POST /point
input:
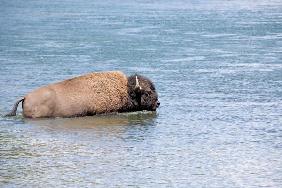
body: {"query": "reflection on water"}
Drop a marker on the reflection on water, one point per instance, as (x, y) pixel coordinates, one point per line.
(124, 119)
(66, 144)
(216, 65)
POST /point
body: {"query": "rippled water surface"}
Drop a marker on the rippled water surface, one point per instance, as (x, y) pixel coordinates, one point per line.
(217, 66)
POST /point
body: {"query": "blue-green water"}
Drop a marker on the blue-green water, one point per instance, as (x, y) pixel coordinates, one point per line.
(216, 64)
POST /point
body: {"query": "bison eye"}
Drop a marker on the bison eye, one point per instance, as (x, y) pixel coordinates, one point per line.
(147, 93)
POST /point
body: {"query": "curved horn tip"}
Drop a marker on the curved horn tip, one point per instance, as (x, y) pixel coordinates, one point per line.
(137, 83)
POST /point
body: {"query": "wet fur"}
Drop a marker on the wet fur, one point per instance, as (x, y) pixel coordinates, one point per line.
(146, 98)
(94, 93)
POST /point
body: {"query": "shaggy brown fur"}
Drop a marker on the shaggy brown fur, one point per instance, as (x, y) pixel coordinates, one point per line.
(145, 98)
(90, 94)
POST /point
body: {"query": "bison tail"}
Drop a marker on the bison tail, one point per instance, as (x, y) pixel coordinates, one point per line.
(14, 110)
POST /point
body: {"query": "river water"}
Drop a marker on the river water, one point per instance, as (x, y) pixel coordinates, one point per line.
(217, 66)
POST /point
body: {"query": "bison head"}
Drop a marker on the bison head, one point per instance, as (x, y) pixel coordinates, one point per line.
(142, 93)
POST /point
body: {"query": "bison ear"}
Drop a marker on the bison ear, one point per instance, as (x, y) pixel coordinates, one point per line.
(137, 87)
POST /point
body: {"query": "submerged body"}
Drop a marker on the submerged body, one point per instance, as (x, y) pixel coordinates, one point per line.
(84, 95)
(90, 94)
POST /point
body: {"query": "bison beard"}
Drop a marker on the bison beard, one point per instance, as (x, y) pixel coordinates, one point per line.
(90, 94)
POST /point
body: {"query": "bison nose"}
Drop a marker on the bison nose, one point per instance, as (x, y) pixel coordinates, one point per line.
(158, 104)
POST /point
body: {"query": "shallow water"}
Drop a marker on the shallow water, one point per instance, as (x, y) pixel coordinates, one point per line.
(217, 67)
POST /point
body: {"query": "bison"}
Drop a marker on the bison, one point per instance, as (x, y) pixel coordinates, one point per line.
(90, 94)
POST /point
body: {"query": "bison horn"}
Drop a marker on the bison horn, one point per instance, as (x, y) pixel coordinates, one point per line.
(137, 86)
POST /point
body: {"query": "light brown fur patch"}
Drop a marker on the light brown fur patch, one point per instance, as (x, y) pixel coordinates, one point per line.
(90, 94)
